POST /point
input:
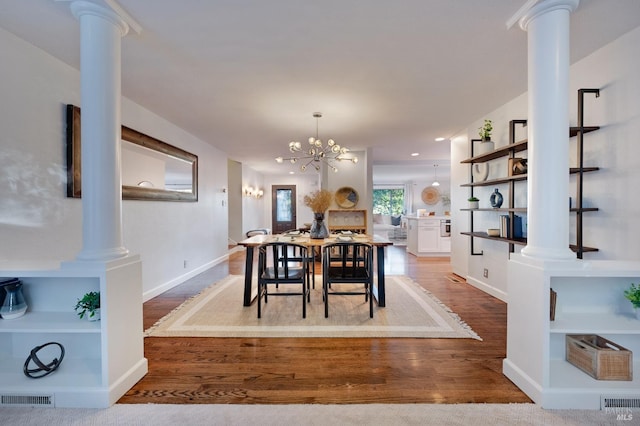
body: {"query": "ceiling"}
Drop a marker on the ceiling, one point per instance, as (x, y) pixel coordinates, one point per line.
(247, 75)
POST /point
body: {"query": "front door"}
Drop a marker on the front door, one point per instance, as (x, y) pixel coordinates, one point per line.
(283, 210)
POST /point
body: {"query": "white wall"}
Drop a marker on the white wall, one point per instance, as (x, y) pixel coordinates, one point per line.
(441, 206)
(252, 207)
(354, 176)
(234, 197)
(614, 148)
(38, 222)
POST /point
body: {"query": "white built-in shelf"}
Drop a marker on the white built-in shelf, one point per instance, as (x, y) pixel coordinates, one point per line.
(49, 322)
(74, 373)
(604, 323)
(565, 376)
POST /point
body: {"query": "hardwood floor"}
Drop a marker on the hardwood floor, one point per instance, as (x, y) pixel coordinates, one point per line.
(333, 371)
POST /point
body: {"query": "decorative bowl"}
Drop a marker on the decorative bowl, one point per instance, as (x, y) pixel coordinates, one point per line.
(493, 232)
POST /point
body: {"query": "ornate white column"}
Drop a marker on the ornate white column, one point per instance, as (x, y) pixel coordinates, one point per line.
(101, 30)
(547, 26)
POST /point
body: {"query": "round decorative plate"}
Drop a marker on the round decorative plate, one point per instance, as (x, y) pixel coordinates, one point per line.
(430, 195)
(346, 197)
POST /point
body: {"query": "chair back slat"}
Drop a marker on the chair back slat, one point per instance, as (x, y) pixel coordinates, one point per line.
(278, 264)
(347, 263)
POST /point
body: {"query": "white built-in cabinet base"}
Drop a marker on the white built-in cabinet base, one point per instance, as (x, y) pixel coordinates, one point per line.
(424, 237)
(103, 359)
(590, 300)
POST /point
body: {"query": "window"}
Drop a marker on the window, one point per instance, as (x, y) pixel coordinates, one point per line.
(388, 201)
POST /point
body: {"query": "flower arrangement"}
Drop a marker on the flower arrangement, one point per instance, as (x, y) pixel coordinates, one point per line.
(485, 130)
(318, 201)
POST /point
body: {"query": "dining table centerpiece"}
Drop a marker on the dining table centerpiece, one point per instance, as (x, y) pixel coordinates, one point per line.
(318, 201)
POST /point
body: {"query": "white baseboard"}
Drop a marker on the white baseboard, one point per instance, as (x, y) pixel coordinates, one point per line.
(150, 294)
(497, 293)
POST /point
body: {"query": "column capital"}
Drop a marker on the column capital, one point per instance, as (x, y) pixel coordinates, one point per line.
(116, 15)
(534, 8)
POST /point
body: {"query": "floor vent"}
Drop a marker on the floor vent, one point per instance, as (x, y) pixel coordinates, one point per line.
(30, 400)
(454, 279)
(619, 402)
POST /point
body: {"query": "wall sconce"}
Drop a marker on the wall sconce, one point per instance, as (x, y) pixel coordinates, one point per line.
(253, 192)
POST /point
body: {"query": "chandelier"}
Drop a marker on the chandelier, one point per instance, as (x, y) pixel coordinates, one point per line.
(317, 153)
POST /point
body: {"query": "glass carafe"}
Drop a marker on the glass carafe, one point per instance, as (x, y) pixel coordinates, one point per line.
(14, 305)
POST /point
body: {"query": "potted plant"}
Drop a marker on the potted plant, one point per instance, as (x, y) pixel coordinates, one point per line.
(485, 130)
(485, 136)
(633, 295)
(89, 305)
(473, 202)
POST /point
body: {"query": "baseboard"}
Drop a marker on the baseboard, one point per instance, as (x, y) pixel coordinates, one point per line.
(150, 294)
(522, 380)
(497, 293)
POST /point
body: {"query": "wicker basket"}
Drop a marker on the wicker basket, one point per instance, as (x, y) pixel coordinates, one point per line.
(600, 358)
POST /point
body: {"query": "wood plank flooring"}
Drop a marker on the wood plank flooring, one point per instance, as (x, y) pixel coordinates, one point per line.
(333, 371)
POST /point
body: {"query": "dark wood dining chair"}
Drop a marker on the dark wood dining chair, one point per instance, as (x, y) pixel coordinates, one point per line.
(275, 268)
(297, 257)
(347, 263)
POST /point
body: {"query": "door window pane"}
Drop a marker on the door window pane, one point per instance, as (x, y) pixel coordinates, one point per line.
(283, 205)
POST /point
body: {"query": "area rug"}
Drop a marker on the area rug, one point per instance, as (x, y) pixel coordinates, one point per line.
(217, 311)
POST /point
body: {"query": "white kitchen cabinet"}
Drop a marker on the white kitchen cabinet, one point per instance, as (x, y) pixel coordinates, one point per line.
(424, 237)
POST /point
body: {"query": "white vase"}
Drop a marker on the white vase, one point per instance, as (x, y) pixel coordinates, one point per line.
(486, 146)
(474, 204)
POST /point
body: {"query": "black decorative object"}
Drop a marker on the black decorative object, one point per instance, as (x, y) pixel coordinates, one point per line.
(496, 199)
(44, 369)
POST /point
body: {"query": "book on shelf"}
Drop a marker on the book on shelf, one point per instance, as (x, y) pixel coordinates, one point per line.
(505, 229)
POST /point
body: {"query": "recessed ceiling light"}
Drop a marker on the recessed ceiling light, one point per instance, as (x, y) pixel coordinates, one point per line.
(415, 154)
(439, 139)
(292, 173)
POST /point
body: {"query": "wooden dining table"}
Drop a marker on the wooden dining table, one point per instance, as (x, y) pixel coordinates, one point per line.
(303, 239)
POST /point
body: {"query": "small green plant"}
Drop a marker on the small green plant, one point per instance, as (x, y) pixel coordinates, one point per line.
(633, 294)
(485, 130)
(473, 199)
(89, 303)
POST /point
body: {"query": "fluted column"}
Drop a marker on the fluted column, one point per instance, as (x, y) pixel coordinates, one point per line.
(547, 27)
(101, 30)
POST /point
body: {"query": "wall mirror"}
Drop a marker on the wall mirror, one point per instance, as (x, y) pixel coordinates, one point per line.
(151, 169)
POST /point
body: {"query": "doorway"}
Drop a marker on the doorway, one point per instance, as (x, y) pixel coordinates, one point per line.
(283, 208)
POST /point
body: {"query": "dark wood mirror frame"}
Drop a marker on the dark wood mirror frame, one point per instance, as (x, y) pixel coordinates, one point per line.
(74, 176)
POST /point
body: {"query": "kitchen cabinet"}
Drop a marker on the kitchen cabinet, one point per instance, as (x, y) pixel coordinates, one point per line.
(424, 236)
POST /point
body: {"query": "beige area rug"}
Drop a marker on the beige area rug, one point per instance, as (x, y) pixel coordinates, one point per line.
(312, 415)
(217, 311)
